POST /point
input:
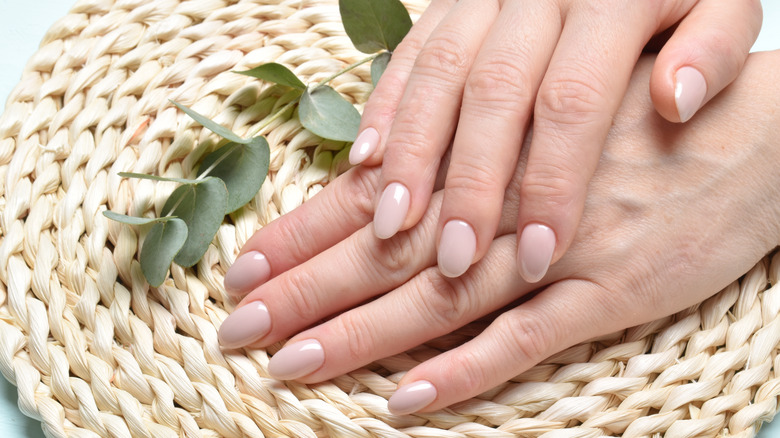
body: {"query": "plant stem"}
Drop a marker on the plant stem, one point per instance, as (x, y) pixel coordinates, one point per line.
(346, 69)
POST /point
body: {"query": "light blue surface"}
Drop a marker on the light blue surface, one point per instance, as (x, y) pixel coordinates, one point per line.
(23, 24)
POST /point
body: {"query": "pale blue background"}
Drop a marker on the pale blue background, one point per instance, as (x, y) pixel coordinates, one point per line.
(22, 25)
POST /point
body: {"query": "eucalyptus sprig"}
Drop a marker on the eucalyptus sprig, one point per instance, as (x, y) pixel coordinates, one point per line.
(230, 177)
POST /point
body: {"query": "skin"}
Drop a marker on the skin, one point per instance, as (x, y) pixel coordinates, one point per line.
(472, 72)
(674, 213)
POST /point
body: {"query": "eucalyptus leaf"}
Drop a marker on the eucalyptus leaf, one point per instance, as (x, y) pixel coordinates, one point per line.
(276, 73)
(161, 245)
(325, 112)
(211, 125)
(378, 66)
(133, 220)
(202, 207)
(374, 25)
(242, 168)
(156, 178)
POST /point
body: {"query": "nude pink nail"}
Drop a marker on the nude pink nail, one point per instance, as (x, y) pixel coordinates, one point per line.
(297, 360)
(391, 211)
(690, 88)
(457, 247)
(248, 271)
(534, 251)
(246, 325)
(365, 144)
(412, 397)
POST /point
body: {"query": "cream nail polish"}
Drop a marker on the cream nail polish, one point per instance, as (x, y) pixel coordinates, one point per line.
(391, 211)
(412, 397)
(246, 325)
(365, 144)
(457, 247)
(534, 251)
(297, 360)
(248, 271)
(690, 88)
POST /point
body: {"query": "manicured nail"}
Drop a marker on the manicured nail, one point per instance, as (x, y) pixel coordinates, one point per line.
(534, 251)
(457, 248)
(412, 397)
(296, 360)
(689, 90)
(248, 271)
(391, 210)
(247, 324)
(365, 144)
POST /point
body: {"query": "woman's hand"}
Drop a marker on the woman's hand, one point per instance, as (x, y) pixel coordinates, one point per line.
(476, 70)
(674, 214)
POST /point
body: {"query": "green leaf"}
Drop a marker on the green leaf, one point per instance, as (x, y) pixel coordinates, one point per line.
(373, 25)
(164, 240)
(276, 73)
(325, 112)
(242, 168)
(211, 125)
(202, 207)
(378, 66)
(133, 220)
(156, 178)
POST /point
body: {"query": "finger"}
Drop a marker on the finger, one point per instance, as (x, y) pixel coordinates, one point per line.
(704, 55)
(497, 101)
(427, 115)
(427, 306)
(379, 111)
(580, 93)
(345, 275)
(340, 209)
(514, 342)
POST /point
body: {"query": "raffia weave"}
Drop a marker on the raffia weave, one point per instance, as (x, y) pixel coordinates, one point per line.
(94, 351)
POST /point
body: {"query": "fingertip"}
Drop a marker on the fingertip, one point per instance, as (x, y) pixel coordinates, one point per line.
(457, 248)
(391, 211)
(412, 397)
(535, 249)
(364, 146)
(690, 89)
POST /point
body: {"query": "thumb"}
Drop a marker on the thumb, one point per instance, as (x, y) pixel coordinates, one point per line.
(703, 56)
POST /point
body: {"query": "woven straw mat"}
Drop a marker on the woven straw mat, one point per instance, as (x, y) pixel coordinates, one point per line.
(95, 351)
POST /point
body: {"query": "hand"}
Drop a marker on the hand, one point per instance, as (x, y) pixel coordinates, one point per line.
(674, 214)
(477, 70)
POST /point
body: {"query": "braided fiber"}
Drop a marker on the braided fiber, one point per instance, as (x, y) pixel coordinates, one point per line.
(95, 351)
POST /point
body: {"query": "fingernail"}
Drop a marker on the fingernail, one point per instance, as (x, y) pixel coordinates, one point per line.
(412, 397)
(689, 90)
(535, 251)
(248, 271)
(391, 211)
(296, 360)
(365, 144)
(457, 248)
(247, 324)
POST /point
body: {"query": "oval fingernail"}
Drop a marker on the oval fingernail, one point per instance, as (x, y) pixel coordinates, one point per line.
(365, 144)
(457, 248)
(247, 272)
(412, 397)
(296, 360)
(534, 251)
(391, 211)
(690, 88)
(247, 324)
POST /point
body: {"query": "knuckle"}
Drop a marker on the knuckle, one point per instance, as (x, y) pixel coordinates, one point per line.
(473, 178)
(445, 300)
(294, 232)
(500, 81)
(464, 368)
(570, 100)
(444, 56)
(527, 339)
(300, 291)
(359, 332)
(358, 194)
(555, 183)
(393, 255)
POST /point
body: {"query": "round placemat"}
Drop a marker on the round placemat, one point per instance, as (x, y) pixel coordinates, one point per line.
(95, 351)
